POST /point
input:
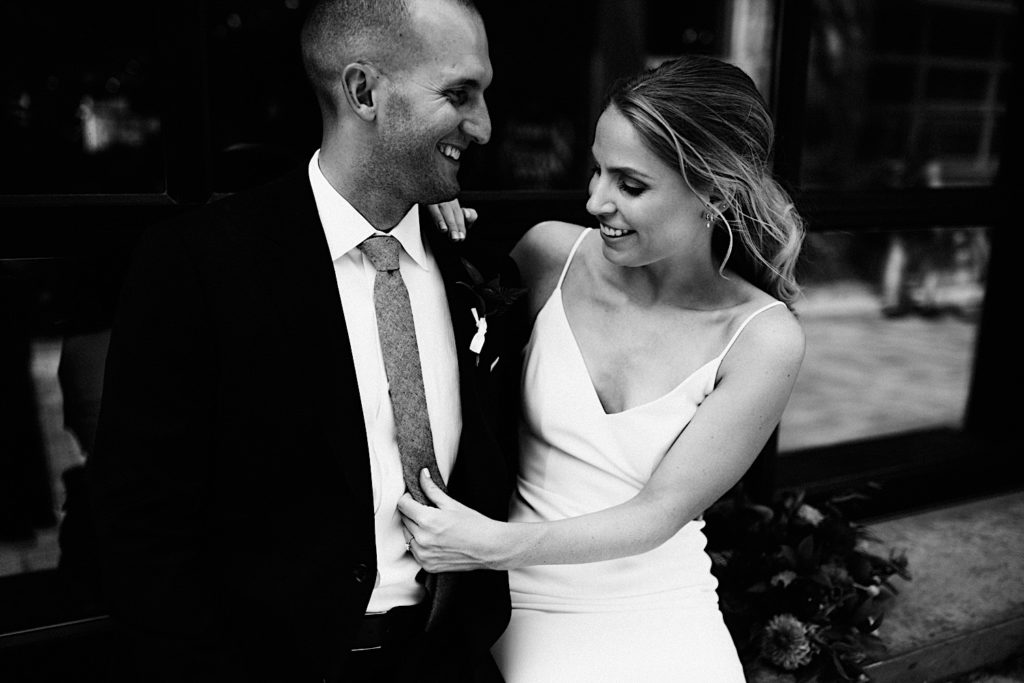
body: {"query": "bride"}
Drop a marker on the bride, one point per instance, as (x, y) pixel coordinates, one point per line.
(662, 355)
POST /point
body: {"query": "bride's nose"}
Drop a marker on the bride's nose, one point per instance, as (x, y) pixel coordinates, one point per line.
(598, 204)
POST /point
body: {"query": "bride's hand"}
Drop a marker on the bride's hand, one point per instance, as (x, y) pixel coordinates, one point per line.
(450, 217)
(450, 537)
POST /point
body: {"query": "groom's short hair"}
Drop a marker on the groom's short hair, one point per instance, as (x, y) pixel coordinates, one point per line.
(339, 32)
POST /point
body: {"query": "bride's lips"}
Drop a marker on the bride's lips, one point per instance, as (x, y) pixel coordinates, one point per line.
(614, 233)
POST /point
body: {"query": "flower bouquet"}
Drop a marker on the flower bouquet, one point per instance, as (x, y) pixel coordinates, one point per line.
(800, 590)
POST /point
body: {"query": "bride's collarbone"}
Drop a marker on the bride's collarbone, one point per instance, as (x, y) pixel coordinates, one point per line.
(653, 331)
(635, 360)
(638, 352)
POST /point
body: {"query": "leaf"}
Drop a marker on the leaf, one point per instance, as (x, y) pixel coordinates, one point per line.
(821, 578)
(840, 669)
(788, 554)
(847, 497)
(805, 551)
(765, 513)
(474, 274)
(481, 306)
(873, 646)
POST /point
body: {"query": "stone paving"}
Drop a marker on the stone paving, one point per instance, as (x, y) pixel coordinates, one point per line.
(866, 375)
(967, 568)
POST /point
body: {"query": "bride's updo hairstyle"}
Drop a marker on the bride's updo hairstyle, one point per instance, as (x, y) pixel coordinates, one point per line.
(706, 119)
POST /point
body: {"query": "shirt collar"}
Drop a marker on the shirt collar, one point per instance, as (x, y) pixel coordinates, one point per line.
(346, 228)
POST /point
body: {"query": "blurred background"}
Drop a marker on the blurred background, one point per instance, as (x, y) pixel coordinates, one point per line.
(895, 136)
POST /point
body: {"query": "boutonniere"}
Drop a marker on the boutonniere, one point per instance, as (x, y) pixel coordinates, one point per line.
(492, 299)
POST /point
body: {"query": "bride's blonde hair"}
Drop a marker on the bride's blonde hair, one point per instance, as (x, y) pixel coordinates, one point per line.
(705, 118)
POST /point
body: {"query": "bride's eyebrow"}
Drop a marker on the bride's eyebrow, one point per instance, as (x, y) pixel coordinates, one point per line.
(630, 171)
(624, 170)
(620, 170)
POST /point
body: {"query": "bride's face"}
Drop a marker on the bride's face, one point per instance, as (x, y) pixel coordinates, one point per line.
(646, 210)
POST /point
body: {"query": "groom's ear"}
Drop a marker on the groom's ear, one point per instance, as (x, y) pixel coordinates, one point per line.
(359, 83)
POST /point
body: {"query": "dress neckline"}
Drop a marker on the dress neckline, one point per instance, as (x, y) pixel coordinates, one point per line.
(556, 296)
(564, 319)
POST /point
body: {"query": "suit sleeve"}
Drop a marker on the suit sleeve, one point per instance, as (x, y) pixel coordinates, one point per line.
(149, 472)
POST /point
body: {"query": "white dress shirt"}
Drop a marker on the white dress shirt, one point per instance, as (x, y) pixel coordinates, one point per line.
(345, 229)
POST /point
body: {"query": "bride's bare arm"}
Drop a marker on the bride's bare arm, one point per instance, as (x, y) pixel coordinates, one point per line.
(717, 447)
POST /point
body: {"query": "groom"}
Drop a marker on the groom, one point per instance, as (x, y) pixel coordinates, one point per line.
(250, 453)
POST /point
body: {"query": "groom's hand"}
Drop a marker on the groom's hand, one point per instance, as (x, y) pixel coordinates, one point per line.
(449, 537)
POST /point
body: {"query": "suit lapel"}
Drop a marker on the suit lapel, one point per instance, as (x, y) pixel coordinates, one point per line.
(459, 305)
(477, 439)
(310, 302)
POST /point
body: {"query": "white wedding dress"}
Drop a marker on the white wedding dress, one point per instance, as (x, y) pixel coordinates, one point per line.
(647, 618)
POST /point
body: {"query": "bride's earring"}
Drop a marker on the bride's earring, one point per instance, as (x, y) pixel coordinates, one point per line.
(710, 220)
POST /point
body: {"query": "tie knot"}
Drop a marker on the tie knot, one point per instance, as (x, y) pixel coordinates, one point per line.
(382, 250)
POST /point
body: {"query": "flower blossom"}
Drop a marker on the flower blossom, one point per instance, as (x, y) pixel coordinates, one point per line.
(809, 514)
(785, 642)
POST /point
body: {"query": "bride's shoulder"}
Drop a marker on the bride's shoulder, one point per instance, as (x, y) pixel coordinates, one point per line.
(771, 335)
(540, 256)
(544, 248)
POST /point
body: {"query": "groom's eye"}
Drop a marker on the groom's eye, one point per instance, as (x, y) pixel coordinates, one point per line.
(457, 97)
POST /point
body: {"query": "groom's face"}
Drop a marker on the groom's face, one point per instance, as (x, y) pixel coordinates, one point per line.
(432, 106)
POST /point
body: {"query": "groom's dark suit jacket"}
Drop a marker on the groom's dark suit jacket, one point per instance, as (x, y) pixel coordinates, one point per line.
(231, 478)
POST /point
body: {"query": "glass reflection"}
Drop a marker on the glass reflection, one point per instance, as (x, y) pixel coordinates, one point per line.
(54, 330)
(79, 109)
(891, 321)
(905, 93)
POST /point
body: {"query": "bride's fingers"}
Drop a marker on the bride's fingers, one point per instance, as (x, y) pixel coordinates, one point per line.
(452, 218)
(455, 220)
(434, 493)
(411, 511)
(438, 217)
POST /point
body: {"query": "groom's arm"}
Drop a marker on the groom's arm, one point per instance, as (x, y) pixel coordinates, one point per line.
(148, 474)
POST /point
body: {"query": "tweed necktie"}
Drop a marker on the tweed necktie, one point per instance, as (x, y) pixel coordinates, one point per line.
(397, 333)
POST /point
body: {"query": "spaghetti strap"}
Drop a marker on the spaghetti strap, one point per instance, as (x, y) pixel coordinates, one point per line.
(572, 252)
(750, 317)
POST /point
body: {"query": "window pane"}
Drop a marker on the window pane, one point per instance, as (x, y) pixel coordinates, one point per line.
(80, 99)
(54, 322)
(543, 121)
(891, 320)
(264, 118)
(905, 93)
